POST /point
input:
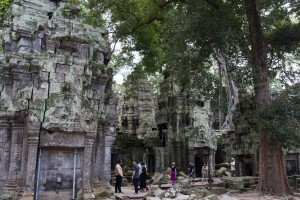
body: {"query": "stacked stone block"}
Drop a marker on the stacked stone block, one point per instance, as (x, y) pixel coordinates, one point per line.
(54, 92)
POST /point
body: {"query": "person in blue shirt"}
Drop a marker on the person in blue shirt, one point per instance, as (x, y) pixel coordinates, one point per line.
(191, 169)
(135, 176)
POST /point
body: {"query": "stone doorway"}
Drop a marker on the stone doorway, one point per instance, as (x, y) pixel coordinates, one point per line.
(291, 167)
(57, 168)
(151, 164)
(199, 162)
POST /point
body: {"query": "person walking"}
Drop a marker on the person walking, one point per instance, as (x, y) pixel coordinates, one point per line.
(119, 176)
(204, 171)
(143, 177)
(135, 176)
(191, 169)
(173, 173)
(232, 167)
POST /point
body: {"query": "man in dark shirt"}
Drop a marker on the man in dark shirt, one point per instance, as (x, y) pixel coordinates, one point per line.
(191, 169)
(135, 176)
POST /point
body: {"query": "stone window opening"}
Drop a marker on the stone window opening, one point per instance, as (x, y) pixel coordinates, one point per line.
(125, 122)
(200, 103)
(161, 133)
(57, 2)
(135, 123)
(50, 15)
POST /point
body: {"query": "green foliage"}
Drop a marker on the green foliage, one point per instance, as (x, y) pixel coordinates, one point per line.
(4, 7)
(180, 36)
(281, 119)
(6, 197)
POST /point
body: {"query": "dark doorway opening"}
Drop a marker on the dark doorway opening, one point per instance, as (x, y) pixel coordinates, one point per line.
(248, 170)
(199, 162)
(151, 164)
(291, 167)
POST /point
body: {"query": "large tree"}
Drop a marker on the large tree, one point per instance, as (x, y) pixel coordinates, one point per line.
(272, 177)
(180, 35)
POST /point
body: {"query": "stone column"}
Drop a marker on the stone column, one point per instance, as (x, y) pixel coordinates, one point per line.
(33, 138)
(157, 158)
(211, 161)
(171, 149)
(254, 163)
(87, 155)
(16, 151)
(22, 181)
(98, 160)
(240, 168)
(107, 161)
(213, 154)
(103, 169)
(5, 143)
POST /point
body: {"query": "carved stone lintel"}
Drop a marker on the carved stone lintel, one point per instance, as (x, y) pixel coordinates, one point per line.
(4, 124)
(33, 128)
(33, 133)
(60, 139)
(91, 135)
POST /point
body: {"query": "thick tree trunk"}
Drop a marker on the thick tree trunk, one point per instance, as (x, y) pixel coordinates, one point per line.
(272, 176)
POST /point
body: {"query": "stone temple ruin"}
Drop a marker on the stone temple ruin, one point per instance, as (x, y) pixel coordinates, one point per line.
(181, 131)
(55, 105)
(137, 136)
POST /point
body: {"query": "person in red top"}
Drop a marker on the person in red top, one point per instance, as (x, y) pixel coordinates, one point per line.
(119, 176)
(173, 173)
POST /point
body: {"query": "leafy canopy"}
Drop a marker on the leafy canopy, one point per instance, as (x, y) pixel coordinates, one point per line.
(180, 36)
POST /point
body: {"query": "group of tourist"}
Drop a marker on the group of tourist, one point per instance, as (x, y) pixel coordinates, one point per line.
(139, 174)
(191, 170)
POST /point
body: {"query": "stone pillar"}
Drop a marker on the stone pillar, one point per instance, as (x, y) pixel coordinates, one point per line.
(107, 161)
(5, 143)
(98, 161)
(16, 151)
(211, 161)
(240, 168)
(171, 149)
(87, 155)
(157, 158)
(104, 155)
(254, 164)
(22, 181)
(33, 139)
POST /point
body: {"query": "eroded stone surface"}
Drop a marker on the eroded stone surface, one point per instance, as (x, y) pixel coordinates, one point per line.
(55, 93)
(184, 123)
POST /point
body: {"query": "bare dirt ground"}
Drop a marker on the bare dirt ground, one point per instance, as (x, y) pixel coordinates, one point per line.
(129, 191)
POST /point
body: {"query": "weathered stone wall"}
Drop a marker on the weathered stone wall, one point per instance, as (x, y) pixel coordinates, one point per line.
(55, 93)
(184, 122)
(242, 142)
(137, 132)
(137, 108)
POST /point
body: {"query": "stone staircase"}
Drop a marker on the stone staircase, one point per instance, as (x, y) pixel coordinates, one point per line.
(10, 187)
(62, 194)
